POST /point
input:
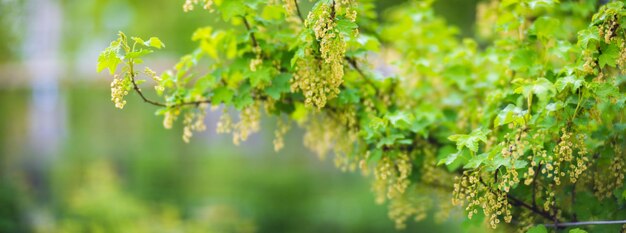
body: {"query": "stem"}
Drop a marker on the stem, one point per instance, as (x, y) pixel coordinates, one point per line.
(577, 105)
(574, 217)
(145, 99)
(355, 66)
(252, 36)
(535, 186)
(571, 224)
(517, 202)
(298, 10)
(136, 87)
(530, 109)
(520, 203)
(333, 11)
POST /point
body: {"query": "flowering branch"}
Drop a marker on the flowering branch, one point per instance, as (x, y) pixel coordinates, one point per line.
(156, 103)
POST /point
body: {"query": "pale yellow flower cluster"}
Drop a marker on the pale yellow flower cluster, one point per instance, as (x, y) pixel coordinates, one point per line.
(282, 127)
(590, 62)
(225, 123)
(565, 161)
(159, 88)
(611, 179)
(170, 116)
(405, 206)
(190, 4)
(119, 89)
(526, 221)
(290, 6)
(608, 28)
(529, 176)
(621, 61)
(392, 177)
(249, 122)
(313, 79)
(474, 195)
(323, 134)
(487, 17)
(319, 78)
(513, 150)
(194, 121)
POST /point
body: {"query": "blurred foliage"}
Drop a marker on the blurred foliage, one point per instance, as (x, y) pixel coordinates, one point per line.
(86, 21)
(114, 167)
(99, 204)
(117, 172)
(10, 22)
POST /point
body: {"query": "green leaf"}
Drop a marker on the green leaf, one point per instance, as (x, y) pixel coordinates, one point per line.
(232, 8)
(400, 119)
(569, 81)
(222, 95)
(389, 140)
(138, 40)
(451, 157)
(523, 59)
(349, 96)
(346, 26)
(155, 43)
(108, 59)
(138, 54)
(609, 56)
(605, 90)
(369, 43)
(273, 12)
(533, 4)
(546, 27)
(538, 229)
(476, 161)
(510, 114)
(541, 87)
(242, 101)
(280, 85)
(551, 107)
(375, 156)
(587, 36)
(577, 230)
(377, 123)
(470, 141)
(202, 33)
(261, 77)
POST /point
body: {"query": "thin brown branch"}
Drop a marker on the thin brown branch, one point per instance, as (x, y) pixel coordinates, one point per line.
(535, 185)
(160, 104)
(255, 43)
(356, 67)
(298, 11)
(136, 87)
(156, 103)
(517, 202)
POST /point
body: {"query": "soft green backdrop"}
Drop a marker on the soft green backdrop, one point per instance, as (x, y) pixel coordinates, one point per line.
(71, 162)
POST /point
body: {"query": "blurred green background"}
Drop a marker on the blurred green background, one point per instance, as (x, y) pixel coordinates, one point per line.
(71, 162)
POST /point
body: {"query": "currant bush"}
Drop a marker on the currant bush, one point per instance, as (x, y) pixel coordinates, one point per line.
(521, 126)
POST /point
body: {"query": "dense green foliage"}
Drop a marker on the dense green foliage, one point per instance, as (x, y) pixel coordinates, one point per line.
(521, 125)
